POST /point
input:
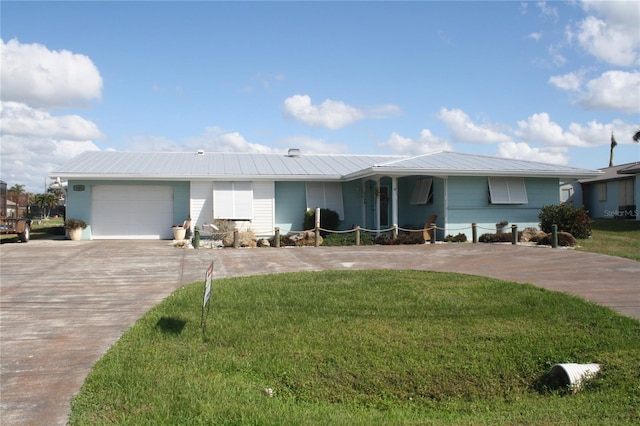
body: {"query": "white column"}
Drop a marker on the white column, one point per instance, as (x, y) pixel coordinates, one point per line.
(394, 201)
(378, 206)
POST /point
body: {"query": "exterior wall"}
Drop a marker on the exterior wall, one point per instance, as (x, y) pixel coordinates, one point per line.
(415, 216)
(353, 199)
(79, 202)
(201, 203)
(609, 208)
(636, 196)
(290, 205)
(468, 202)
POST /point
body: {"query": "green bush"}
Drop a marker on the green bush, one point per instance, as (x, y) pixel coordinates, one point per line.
(460, 238)
(401, 239)
(567, 218)
(504, 237)
(329, 219)
(347, 239)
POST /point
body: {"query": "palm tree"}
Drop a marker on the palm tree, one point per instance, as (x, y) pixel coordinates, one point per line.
(636, 136)
(46, 202)
(17, 191)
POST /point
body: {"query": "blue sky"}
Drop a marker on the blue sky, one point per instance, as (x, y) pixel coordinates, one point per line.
(544, 81)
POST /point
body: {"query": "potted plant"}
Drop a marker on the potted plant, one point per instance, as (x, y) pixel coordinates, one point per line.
(75, 227)
(501, 226)
(179, 232)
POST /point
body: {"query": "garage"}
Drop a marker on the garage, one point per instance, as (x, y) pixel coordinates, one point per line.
(131, 212)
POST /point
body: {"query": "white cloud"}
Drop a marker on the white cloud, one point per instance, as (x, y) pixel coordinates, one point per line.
(27, 160)
(571, 81)
(35, 80)
(464, 130)
(35, 142)
(42, 78)
(614, 91)
(546, 10)
(21, 120)
(612, 36)
(541, 130)
(214, 139)
(534, 36)
(425, 143)
(522, 151)
(332, 114)
(595, 133)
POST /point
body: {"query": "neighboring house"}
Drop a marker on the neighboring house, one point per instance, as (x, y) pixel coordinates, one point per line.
(140, 195)
(614, 194)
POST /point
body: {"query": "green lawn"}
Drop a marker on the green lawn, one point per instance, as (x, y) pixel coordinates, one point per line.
(365, 347)
(614, 237)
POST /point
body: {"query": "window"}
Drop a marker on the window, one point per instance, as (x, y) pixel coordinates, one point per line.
(625, 192)
(233, 200)
(325, 195)
(602, 191)
(507, 190)
(565, 195)
(422, 193)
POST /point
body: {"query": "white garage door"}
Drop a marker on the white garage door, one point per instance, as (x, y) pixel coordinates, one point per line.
(131, 212)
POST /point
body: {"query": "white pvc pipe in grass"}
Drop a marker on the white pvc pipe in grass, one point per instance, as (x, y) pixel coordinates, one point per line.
(573, 375)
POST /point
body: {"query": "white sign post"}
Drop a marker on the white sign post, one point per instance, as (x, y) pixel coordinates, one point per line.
(207, 294)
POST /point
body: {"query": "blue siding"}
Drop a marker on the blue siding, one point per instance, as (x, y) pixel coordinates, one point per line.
(290, 205)
(609, 208)
(469, 203)
(416, 215)
(352, 200)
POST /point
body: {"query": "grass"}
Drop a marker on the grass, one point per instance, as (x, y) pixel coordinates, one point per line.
(614, 237)
(365, 347)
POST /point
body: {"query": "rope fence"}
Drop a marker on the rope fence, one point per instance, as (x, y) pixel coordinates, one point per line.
(429, 231)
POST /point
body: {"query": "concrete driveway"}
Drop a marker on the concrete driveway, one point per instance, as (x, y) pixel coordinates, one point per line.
(64, 303)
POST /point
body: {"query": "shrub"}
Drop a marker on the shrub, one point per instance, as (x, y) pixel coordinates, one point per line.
(410, 238)
(460, 238)
(74, 224)
(329, 219)
(224, 227)
(347, 239)
(504, 237)
(567, 218)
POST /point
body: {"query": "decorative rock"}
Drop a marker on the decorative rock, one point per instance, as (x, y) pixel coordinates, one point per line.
(306, 238)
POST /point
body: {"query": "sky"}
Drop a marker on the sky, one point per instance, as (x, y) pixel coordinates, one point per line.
(546, 81)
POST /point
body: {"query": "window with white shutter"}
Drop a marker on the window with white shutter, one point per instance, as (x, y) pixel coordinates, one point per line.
(233, 200)
(325, 195)
(507, 190)
(422, 192)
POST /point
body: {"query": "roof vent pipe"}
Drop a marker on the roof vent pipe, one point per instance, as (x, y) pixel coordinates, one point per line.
(293, 152)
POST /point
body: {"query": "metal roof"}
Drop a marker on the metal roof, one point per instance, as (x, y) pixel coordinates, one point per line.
(252, 166)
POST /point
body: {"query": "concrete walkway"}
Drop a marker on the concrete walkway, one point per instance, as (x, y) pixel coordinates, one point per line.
(64, 303)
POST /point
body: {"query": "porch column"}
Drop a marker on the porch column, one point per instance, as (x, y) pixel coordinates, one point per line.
(394, 201)
(378, 206)
(364, 203)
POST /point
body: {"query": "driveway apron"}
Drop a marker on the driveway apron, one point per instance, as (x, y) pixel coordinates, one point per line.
(64, 303)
